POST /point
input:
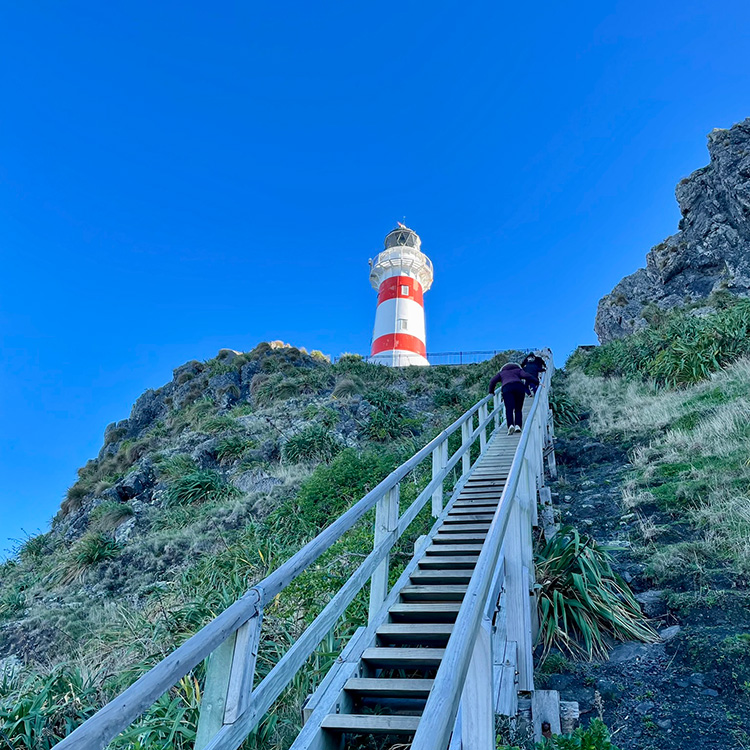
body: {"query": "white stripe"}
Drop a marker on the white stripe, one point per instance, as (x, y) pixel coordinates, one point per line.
(399, 308)
(400, 358)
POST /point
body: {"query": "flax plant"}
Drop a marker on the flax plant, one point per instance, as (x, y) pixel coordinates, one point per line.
(582, 601)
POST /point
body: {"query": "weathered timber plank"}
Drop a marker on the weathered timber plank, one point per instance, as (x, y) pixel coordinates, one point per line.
(371, 724)
(403, 658)
(545, 708)
(392, 688)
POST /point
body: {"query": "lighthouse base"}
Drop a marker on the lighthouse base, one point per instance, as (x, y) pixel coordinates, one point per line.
(399, 358)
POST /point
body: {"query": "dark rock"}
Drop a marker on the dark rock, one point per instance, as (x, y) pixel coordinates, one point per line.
(609, 690)
(629, 651)
(710, 692)
(669, 633)
(270, 450)
(664, 724)
(682, 683)
(583, 696)
(697, 679)
(186, 372)
(225, 388)
(644, 708)
(227, 355)
(255, 481)
(136, 482)
(248, 371)
(708, 254)
(652, 602)
(559, 681)
(149, 408)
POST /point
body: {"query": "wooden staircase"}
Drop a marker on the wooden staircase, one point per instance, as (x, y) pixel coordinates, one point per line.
(394, 676)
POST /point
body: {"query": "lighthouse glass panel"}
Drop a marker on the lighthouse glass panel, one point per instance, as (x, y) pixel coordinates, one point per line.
(404, 290)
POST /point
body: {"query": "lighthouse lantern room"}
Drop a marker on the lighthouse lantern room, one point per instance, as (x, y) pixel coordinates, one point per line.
(401, 273)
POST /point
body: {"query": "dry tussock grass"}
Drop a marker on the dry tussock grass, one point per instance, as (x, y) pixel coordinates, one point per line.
(702, 434)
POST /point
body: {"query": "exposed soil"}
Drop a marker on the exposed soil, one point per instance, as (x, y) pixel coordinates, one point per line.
(686, 691)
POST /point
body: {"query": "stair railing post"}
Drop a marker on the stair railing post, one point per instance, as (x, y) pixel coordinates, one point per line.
(518, 621)
(483, 412)
(549, 448)
(496, 409)
(439, 461)
(528, 496)
(386, 523)
(466, 430)
(229, 681)
(477, 709)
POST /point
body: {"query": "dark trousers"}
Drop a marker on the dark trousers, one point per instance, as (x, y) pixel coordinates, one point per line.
(513, 395)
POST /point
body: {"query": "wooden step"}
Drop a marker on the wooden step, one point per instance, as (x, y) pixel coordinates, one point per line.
(474, 538)
(388, 688)
(469, 508)
(424, 634)
(471, 517)
(437, 593)
(370, 724)
(428, 577)
(392, 657)
(465, 528)
(449, 561)
(440, 550)
(419, 612)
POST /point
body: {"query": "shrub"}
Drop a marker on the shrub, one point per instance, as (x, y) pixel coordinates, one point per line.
(175, 466)
(94, 547)
(232, 448)
(314, 443)
(446, 397)
(214, 425)
(347, 387)
(564, 409)
(582, 599)
(35, 547)
(677, 349)
(200, 487)
(110, 514)
(333, 487)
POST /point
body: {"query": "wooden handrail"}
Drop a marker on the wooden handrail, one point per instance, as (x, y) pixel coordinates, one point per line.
(96, 732)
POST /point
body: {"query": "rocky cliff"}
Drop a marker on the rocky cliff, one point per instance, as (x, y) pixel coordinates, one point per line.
(711, 251)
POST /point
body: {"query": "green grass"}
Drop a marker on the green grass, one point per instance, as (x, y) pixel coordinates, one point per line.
(233, 448)
(200, 487)
(314, 443)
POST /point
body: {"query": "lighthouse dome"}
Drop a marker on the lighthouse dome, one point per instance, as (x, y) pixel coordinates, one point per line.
(402, 237)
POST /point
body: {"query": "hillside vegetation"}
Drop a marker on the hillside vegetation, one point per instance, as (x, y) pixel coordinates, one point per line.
(213, 481)
(676, 398)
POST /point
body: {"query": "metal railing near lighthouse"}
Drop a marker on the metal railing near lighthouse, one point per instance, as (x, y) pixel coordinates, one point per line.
(232, 707)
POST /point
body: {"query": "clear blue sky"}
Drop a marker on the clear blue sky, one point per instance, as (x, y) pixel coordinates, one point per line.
(180, 177)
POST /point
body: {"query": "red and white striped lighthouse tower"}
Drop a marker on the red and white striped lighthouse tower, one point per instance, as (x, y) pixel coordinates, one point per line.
(402, 273)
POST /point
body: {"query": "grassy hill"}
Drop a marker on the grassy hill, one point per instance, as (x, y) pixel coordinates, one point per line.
(213, 481)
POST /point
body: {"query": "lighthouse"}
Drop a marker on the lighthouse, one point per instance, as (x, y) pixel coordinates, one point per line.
(401, 273)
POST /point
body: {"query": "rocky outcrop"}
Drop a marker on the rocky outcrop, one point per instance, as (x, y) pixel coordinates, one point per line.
(710, 253)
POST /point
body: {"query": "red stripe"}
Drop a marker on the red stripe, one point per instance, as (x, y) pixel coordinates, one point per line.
(391, 288)
(404, 341)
